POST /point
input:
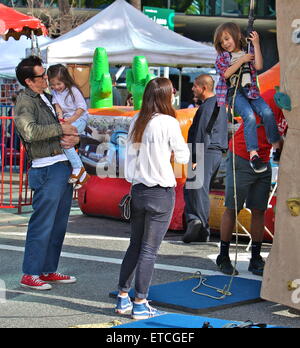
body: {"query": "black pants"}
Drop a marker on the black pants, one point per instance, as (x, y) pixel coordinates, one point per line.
(197, 202)
(152, 209)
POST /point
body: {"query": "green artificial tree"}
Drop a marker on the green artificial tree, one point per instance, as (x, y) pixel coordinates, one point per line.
(100, 81)
(137, 78)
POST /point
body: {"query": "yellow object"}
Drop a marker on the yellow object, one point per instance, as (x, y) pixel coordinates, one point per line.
(97, 326)
(292, 285)
(294, 206)
(217, 209)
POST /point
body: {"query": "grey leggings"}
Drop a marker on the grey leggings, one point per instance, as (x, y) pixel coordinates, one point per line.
(152, 209)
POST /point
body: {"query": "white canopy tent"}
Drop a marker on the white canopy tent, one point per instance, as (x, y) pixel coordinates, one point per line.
(125, 33)
(12, 51)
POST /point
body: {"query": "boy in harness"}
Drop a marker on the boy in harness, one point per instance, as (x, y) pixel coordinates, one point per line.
(237, 88)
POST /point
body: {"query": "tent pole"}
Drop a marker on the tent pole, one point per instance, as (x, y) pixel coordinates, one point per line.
(166, 72)
(32, 42)
(180, 86)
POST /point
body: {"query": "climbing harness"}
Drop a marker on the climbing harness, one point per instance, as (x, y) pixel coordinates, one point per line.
(234, 79)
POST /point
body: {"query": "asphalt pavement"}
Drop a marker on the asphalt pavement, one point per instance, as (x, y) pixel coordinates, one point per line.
(93, 251)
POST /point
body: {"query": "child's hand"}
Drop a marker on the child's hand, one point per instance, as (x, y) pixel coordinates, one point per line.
(248, 58)
(71, 120)
(254, 38)
(68, 121)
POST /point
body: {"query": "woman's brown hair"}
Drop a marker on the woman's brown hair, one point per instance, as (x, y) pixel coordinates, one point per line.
(232, 29)
(157, 98)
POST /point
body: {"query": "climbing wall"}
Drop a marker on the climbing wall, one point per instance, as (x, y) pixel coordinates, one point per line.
(281, 281)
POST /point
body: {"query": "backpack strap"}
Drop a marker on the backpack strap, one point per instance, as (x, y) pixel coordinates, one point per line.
(213, 119)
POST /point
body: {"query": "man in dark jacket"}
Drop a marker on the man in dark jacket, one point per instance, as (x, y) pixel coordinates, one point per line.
(209, 129)
(42, 135)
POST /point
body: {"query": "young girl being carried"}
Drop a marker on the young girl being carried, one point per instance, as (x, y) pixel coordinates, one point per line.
(70, 107)
(232, 56)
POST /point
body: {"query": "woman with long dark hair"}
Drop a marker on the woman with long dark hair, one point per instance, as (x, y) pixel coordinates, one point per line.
(154, 137)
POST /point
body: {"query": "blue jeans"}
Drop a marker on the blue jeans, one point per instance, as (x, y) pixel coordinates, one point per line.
(246, 108)
(152, 209)
(47, 226)
(71, 154)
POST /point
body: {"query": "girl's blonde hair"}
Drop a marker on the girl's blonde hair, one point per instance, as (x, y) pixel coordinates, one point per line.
(232, 29)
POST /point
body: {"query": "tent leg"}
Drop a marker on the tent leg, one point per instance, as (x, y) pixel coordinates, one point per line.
(180, 86)
(35, 50)
(166, 72)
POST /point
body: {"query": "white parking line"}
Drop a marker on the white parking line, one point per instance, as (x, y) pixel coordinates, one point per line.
(70, 236)
(90, 236)
(163, 267)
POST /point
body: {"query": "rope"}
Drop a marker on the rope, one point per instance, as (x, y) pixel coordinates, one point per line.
(234, 181)
(238, 78)
(226, 290)
(250, 22)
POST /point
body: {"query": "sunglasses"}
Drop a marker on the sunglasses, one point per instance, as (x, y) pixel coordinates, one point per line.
(42, 75)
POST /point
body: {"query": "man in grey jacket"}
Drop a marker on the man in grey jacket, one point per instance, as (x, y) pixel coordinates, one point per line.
(210, 129)
(43, 137)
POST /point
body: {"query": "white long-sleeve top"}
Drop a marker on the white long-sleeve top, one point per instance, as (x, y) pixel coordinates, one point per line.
(152, 166)
(68, 105)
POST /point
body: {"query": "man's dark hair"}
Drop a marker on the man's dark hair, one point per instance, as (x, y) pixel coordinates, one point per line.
(25, 69)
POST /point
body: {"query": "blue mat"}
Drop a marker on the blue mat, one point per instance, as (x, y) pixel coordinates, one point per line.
(175, 321)
(179, 295)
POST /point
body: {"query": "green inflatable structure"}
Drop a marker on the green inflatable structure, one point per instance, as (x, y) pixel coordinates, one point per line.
(100, 81)
(137, 79)
(101, 90)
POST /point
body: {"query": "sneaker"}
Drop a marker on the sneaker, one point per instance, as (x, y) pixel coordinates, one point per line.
(276, 156)
(257, 265)
(258, 165)
(124, 305)
(58, 278)
(195, 232)
(34, 282)
(144, 311)
(225, 266)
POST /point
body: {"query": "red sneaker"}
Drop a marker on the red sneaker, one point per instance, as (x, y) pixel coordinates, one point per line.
(58, 278)
(34, 282)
